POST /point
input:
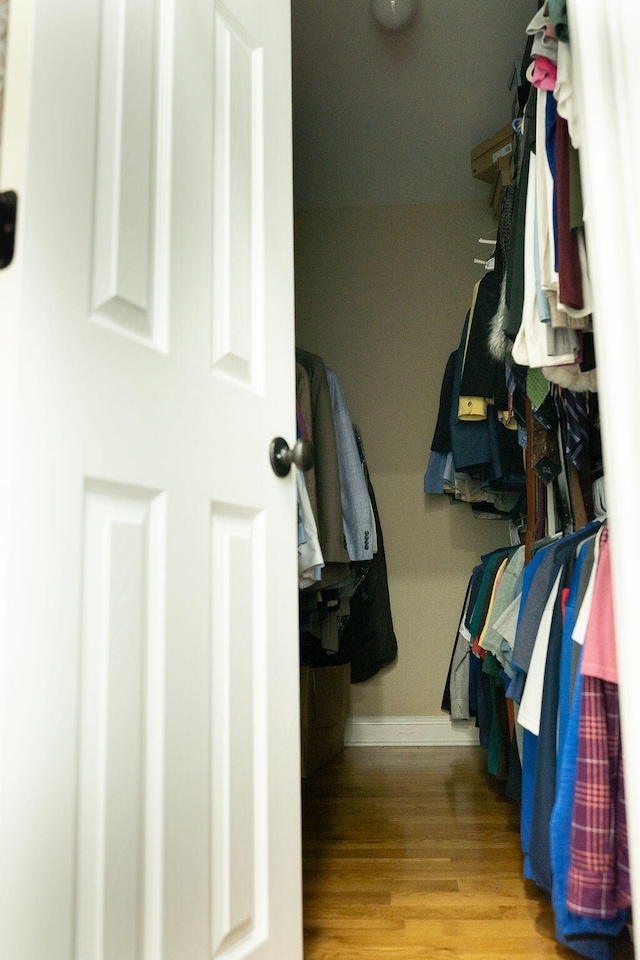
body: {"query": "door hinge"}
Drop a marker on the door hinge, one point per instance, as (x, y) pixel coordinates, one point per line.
(8, 214)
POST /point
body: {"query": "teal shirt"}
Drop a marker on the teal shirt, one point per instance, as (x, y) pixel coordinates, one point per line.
(558, 15)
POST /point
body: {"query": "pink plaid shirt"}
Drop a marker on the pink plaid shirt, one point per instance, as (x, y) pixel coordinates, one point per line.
(599, 882)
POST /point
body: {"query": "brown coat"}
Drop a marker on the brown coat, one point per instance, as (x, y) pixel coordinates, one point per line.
(327, 478)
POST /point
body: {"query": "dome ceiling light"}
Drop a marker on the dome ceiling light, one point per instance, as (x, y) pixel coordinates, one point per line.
(393, 14)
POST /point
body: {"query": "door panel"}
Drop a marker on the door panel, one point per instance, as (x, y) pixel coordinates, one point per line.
(238, 827)
(149, 800)
(238, 202)
(121, 724)
(133, 189)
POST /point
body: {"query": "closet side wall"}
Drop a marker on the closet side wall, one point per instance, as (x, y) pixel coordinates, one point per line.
(381, 295)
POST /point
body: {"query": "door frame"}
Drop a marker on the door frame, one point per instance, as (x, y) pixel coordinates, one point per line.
(604, 46)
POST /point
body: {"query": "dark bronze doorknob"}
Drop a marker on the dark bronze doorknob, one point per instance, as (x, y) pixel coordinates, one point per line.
(282, 456)
(8, 214)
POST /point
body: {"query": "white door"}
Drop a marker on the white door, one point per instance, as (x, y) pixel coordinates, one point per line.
(149, 773)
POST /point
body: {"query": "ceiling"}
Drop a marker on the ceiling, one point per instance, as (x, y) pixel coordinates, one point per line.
(385, 117)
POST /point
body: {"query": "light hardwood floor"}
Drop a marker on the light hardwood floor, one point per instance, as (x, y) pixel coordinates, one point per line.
(413, 853)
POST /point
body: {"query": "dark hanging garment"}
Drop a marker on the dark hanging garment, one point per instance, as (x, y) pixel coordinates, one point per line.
(508, 470)
(368, 638)
(569, 268)
(513, 787)
(474, 590)
(446, 695)
(485, 706)
(469, 439)
(441, 442)
(515, 264)
(479, 368)
(499, 736)
(544, 790)
(524, 88)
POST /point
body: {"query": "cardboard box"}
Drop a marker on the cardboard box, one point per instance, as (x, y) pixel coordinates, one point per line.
(486, 157)
(325, 699)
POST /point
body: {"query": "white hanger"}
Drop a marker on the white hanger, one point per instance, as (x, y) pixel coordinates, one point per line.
(487, 264)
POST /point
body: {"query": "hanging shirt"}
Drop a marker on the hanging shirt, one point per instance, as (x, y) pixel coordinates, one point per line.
(459, 670)
(505, 594)
(557, 10)
(582, 621)
(598, 881)
(506, 626)
(534, 341)
(545, 72)
(329, 503)
(305, 425)
(544, 789)
(310, 559)
(599, 658)
(564, 94)
(489, 614)
(357, 514)
(582, 934)
(531, 702)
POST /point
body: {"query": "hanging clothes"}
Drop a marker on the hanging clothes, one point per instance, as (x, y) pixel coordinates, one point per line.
(357, 512)
(327, 475)
(543, 629)
(368, 638)
(346, 611)
(310, 559)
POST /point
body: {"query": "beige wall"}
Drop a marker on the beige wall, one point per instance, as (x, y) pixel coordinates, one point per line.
(381, 295)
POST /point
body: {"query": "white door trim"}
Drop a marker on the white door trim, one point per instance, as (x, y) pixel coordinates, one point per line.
(604, 42)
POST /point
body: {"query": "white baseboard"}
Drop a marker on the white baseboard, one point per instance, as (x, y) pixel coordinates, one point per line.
(415, 731)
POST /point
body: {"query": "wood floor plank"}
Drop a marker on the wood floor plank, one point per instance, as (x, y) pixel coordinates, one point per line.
(413, 853)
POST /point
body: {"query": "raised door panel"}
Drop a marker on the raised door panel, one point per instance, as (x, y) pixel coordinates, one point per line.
(4, 19)
(239, 811)
(130, 288)
(121, 725)
(238, 203)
